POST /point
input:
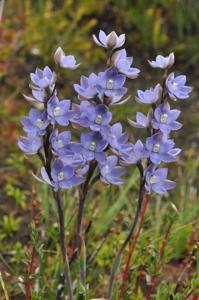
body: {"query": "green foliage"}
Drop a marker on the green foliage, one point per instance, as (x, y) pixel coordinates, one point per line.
(44, 26)
(108, 212)
(31, 30)
(15, 162)
(81, 293)
(9, 224)
(159, 25)
(19, 255)
(17, 194)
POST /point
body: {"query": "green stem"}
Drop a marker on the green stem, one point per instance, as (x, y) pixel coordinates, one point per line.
(63, 245)
(80, 240)
(117, 260)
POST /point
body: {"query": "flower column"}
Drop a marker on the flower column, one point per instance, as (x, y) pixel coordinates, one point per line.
(43, 139)
(97, 93)
(158, 148)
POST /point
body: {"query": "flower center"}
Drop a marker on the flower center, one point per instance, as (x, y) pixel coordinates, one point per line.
(156, 148)
(98, 119)
(92, 146)
(175, 84)
(163, 118)
(60, 176)
(109, 84)
(106, 170)
(59, 144)
(39, 122)
(57, 111)
(153, 179)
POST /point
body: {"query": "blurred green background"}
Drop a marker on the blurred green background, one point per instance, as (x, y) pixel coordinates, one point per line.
(30, 31)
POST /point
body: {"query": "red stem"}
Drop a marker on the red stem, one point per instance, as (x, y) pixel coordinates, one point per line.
(30, 272)
(165, 240)
(36, 212)
(132, 247)
(150, 290)
(161, 253)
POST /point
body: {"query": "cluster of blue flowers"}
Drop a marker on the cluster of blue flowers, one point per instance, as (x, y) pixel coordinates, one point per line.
(161, 120)
(100, 141)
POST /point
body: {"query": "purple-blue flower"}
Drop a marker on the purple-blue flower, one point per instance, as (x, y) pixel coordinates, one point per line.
(156, 180)
(95, 117)
(59, 111)
(62, 177)
(74, 159)
(65, 61)
(36, 123)
(163, 62)
(110, 84)
(149, 96)
(160, 149)
(43, 78)
(165, 118)
(142, 121)
(110, 172)
(135, 154)
(91, 146)
(176, 86)
(118, 100)
(87, 87)
(60, 142)
(30, 145)
(39, 94)
(111, 41)
(123, 64)
(118, 140)
(34, 102)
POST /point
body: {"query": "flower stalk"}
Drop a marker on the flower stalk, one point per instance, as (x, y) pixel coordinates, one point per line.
(133, 246)
(63, 244)
(135, 221)
(80, 235)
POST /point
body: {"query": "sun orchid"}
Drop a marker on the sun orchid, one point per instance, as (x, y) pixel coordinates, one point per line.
(79, 142)
(177, 88)
(65, 61)
(103, 142)
(163, 62)
(110, 41)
